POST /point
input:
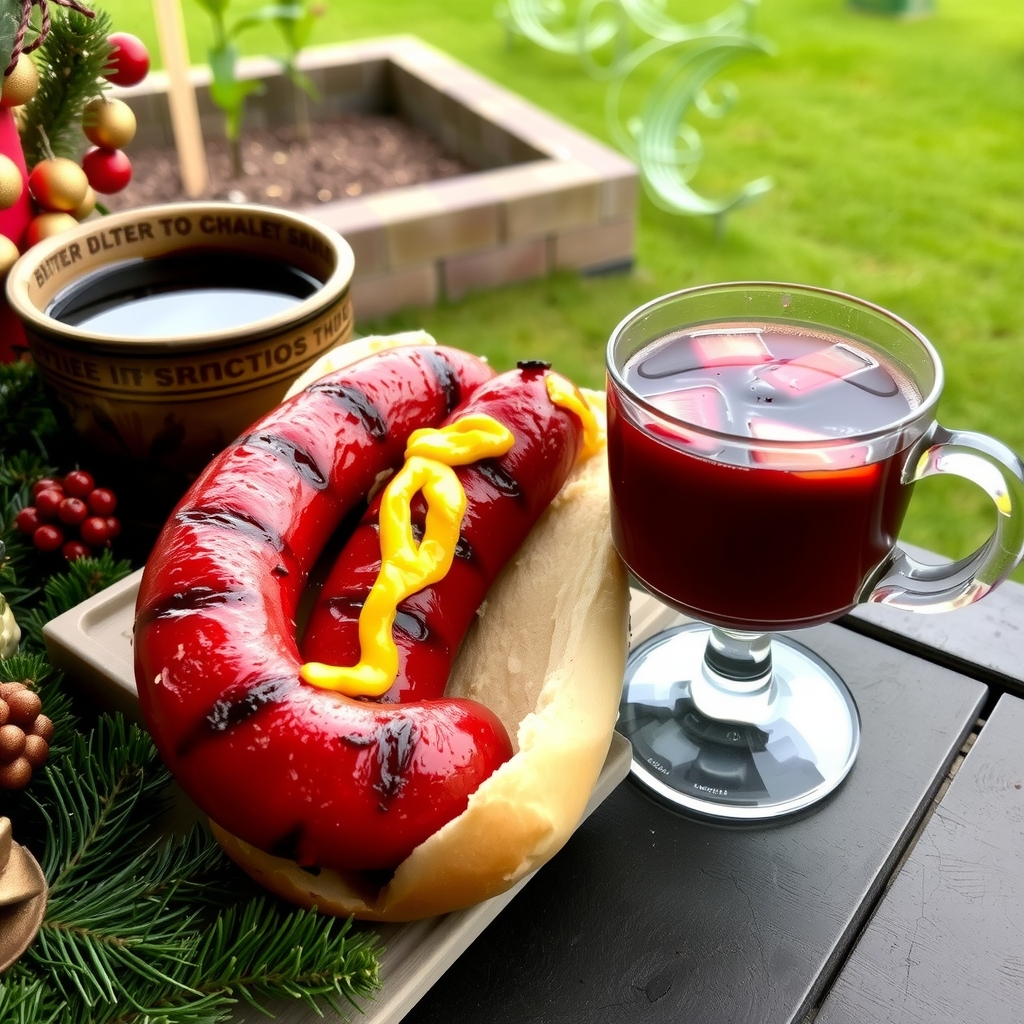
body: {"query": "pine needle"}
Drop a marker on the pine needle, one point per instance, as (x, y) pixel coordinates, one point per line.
(71, 62)
(25, 1000)
(25, 413)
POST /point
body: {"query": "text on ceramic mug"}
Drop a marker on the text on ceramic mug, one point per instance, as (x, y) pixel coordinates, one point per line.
(179, 227)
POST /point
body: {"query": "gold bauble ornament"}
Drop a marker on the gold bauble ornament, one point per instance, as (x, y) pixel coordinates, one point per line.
(22, 897)
(108, 123)
(11, 184)
(87, 205)
(46, 225)
(58, 185)
(21, 84)
(8, 255)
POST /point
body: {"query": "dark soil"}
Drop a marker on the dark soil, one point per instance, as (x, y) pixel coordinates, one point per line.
(348, 156)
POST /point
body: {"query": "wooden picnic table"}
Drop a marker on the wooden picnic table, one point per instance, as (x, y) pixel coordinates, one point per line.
(900, 899)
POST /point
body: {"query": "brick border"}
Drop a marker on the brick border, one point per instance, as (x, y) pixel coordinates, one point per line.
(547, 197)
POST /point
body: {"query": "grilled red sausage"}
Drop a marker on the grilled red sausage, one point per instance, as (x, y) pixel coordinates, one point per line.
(504, 498)
(290, 768)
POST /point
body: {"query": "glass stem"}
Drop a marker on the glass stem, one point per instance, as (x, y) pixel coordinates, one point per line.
(735, 683)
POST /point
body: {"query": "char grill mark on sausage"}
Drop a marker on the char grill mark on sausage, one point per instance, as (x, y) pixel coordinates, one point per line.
(504, 497)
(447, 378)
(356, 402)
(233, 710)
(230, 519)
(295, 455)
(413, 624)
(394, 739)
(499, 478)
(463, 548)
(229, 712)
(396, 744)
(194, 600)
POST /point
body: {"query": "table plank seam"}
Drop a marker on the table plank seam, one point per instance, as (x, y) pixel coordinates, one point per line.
(1000, 682)
(918, 831)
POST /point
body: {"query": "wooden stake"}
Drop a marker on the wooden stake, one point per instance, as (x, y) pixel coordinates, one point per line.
(188, 136)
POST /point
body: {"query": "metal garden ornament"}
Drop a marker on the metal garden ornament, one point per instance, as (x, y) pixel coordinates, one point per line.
(666, 148)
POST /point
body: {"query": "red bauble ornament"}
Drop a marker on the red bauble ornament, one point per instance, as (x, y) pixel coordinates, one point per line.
(129, 63)
(108, 170)
(13, 222)
(46, 225)
(58, 185)
(14, 219)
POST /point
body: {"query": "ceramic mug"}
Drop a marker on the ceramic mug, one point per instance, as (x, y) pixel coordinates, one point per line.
(162, 332)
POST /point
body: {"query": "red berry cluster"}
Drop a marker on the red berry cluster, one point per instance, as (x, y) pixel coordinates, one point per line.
(63, 506)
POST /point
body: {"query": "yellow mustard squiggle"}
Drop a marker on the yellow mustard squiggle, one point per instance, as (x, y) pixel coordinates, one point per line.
(566, 395)
(408, 567)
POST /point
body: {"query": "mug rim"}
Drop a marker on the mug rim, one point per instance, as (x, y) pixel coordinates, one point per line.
(332, 290)
(926, 408)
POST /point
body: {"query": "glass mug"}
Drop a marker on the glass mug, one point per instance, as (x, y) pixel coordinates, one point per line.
(763, 444)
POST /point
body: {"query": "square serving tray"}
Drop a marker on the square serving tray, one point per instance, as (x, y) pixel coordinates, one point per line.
(92, 644)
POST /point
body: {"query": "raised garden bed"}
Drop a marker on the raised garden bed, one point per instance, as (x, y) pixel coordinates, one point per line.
(543, 195)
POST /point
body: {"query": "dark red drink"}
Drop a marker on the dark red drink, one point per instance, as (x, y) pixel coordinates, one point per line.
(766, 498)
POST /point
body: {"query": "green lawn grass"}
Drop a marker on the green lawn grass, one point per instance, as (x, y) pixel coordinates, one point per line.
(897, 150)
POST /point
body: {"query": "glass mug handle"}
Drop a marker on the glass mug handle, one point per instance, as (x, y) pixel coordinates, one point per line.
(915, 586)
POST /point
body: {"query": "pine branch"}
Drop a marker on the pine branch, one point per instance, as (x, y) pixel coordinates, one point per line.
(112, 924)
(16, 565)
(100, 799)
(123, 927)
(24, 410)
(25, 1000)
(24, 415)
(71, 62)
(261, 954)
(194, 871)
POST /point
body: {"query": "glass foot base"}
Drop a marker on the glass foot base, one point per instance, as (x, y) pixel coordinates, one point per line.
(796, 746)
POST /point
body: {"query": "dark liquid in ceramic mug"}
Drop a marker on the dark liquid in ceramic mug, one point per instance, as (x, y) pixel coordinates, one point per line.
(180, 295)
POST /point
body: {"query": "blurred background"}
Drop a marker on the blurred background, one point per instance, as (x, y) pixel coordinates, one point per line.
(896, 147)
